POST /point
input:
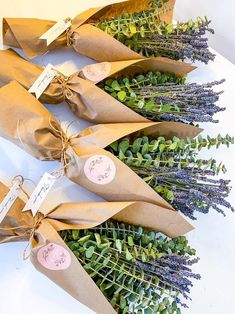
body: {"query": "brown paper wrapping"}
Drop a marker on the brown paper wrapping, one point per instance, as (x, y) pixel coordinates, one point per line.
(85, 38)
(84, 98)
(34, 129)
(74, 279)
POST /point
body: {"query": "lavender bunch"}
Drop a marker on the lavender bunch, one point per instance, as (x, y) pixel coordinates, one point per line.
(146, 34)
(165, 97)
(172, 168)
(137, 271)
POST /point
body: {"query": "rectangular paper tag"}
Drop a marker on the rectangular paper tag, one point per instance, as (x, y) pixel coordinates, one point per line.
(40, 193)
(9, 200)
(56, 30)
(43, 81)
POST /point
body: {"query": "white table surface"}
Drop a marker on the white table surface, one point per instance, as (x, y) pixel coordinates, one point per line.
(23, 290)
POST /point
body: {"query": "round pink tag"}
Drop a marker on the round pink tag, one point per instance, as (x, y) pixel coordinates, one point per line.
(54, 257)
(96, 72)
(100, 169)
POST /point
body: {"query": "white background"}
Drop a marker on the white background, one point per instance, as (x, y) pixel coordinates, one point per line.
(222, 14)
(25, 291)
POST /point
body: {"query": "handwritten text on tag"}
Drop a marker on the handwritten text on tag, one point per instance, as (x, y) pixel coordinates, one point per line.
(43, 81)
(40, 193)
(9, 200)
(56, 30)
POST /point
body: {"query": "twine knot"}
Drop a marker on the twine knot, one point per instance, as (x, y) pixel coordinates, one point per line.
(64, 82)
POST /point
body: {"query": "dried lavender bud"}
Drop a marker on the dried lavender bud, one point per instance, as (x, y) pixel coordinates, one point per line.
(164, 97)
(145, 33)
(172, 169)
(137, 271)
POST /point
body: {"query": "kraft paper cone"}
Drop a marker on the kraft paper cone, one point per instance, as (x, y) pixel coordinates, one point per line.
(84, 98)
(34, 129)
(74, 279)
(86, 39)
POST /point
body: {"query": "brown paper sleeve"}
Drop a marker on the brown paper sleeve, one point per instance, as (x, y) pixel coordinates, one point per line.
(15, 68)
(85, 99)
(24, 33)
(25, 122)
(36, 134)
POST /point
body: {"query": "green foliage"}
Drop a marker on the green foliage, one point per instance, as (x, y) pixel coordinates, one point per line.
(129, 27)
(115, 255)
(148, 156)
(127, 90)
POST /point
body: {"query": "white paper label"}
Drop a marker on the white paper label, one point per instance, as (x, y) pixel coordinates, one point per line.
(9, 200)
(55, 31)
(40, 193)
(43, 81)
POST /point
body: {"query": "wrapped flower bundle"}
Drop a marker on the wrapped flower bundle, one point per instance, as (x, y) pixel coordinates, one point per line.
(83, 157)
(172, 169)
(128, 91)
(121, 31)
(79, 91)
(109, 266)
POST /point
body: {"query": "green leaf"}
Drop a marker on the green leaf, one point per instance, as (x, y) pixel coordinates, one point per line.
(83, 239)
(113, 26)
(118, 245)
(142, 31)
(149, 105)
(132, 28)
(130, 241)
(129, 257)
(145, 149)
(136, 145)
(122, 302)
(166, 108)
(90, 251)
(98, 239)
(114, 146)
(75, 234)
(115, 85)
(173, 146)
(162, 147)
(121, 95)
(170, 195)
(141, 103)
(123, 146)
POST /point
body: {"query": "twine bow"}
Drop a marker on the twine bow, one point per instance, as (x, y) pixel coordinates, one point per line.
(30, 232)
(64, 82)
(66, 143)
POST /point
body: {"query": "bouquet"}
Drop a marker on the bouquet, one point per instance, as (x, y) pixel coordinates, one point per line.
(121, 31)
(172, 168)
(79, 91)
(83, 157)
(98, 254)
(127, 91)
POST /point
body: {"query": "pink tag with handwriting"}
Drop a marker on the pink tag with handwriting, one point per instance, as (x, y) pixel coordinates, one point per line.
(100, 169)
(54, 257)
(96, 72)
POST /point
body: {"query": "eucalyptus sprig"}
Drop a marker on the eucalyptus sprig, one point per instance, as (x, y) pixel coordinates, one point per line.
(166, 97)
(172, 168)
(137, 271)
(145, 33)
